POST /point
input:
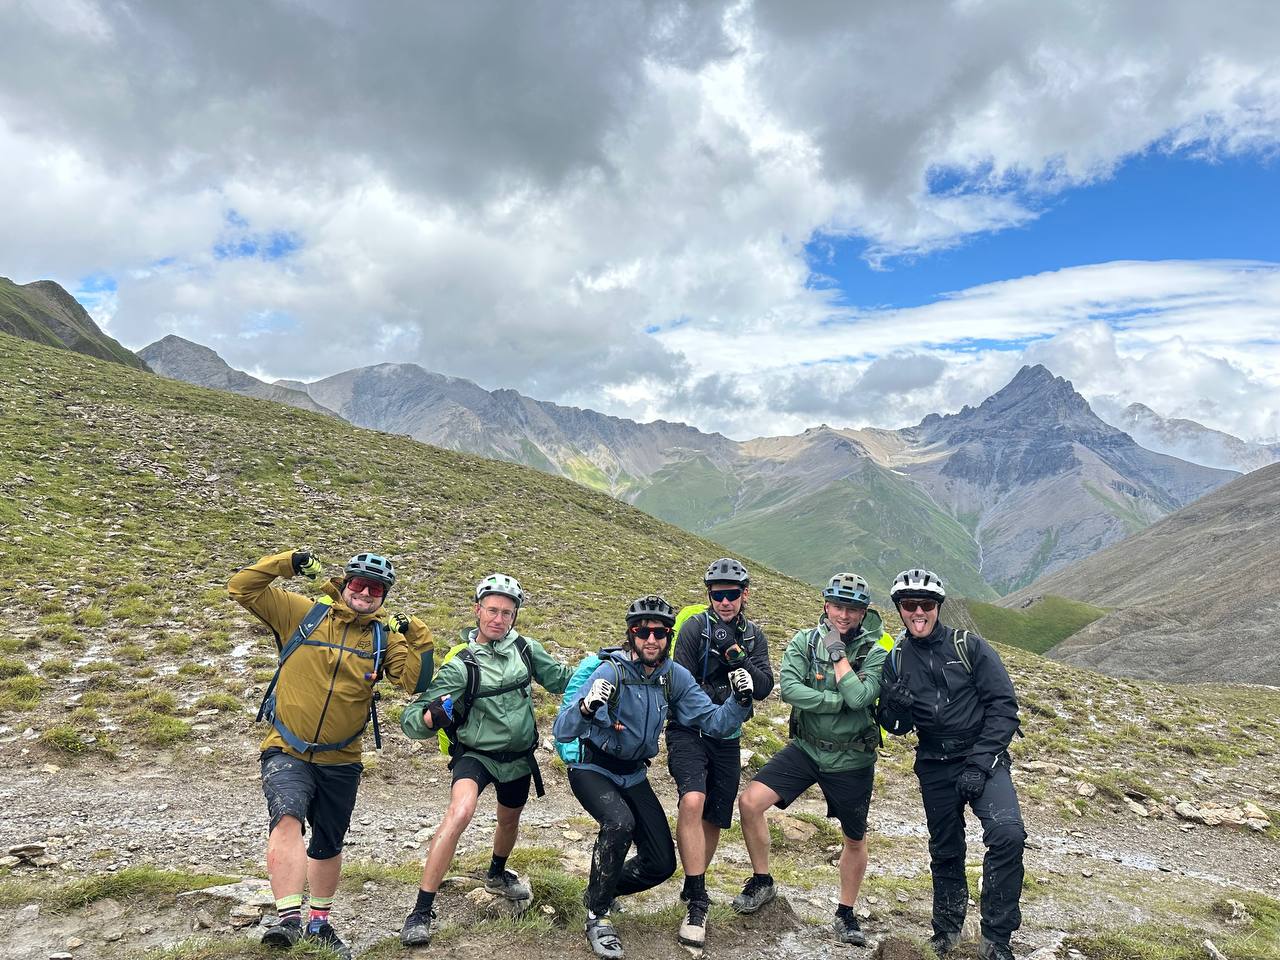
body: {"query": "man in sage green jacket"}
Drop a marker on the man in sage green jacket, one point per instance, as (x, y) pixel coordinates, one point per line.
(483, 698)
(831, 677)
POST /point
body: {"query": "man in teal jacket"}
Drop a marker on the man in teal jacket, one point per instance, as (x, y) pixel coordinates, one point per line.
(494, 741)
(831, 678)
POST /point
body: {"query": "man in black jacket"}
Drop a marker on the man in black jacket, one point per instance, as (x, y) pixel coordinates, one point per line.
(953, 689)
(707, 770)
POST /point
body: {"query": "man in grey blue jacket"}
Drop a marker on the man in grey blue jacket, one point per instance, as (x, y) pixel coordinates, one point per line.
(618, 722)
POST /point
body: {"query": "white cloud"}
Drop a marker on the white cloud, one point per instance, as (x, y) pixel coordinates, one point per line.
(516, 192)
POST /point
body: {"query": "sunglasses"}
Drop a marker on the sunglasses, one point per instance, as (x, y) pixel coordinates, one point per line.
(724, 596)
(911, 606)
(657, 633)
(372, 587)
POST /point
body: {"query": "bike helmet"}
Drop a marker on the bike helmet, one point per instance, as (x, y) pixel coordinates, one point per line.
(370, 565)
(502, 585)
(917, 585)
(652, 607)
(727, 570)
(848, 588)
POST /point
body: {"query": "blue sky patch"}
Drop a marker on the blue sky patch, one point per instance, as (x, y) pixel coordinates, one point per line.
(1158, 206)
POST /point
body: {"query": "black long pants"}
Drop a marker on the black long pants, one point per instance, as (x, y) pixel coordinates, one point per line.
(626, 815)
(1003, 834)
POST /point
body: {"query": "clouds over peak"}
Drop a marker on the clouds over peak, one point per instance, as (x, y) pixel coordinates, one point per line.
(517, 193)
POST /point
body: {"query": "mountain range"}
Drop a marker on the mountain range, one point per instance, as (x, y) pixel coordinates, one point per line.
(995, 495)
(45, 313)
(1191, 598)
(1194, 441)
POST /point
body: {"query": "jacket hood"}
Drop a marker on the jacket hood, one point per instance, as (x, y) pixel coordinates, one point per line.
(872, 625)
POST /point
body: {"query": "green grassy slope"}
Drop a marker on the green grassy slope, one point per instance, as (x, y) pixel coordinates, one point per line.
(874, 523)
(38, 317)
(127, 500)
(1037, 628)
(694, 494)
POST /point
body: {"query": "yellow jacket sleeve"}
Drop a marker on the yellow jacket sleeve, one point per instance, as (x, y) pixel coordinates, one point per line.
(281, 610)
(410, 656)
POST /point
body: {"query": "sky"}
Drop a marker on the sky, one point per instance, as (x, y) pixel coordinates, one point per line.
(749, 216)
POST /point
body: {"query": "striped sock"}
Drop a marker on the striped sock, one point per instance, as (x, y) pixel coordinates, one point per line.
(319, 913)
(289, 909)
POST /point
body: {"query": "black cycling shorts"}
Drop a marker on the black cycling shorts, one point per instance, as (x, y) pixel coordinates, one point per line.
(791, 771)
(701, 764)
(512, 793)
(320, 794)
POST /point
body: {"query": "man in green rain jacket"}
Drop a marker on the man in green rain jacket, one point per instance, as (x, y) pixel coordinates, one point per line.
(831, 677)
(493, 741)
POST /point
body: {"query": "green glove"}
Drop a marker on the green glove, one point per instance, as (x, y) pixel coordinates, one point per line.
(398, 623)
(306, 565)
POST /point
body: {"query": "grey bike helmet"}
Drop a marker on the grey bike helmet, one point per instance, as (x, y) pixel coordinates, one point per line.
(727, 570)
(502, 585)
(848, 588)
(917, 585)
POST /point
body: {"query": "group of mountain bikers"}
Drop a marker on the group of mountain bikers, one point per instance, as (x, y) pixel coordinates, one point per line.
(692, 677)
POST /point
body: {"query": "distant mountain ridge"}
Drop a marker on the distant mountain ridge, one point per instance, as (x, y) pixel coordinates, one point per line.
(995, 495)
(1194, 441)
(45, 313)
(180, 359)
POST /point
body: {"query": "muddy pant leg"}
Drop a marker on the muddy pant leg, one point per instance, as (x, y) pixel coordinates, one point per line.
(944, 813)
(655, 858)
(603, 800)
(1005, 836)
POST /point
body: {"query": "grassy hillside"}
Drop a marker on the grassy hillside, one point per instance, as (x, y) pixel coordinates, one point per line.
(874, 523)
(1037, 628)
(694, 494)
(45, 313)
(129, 499)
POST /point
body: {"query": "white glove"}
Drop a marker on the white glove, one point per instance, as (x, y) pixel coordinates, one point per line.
(740, 680)
(599, 694)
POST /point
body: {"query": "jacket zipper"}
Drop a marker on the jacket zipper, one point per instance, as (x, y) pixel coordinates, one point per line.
(332, 680)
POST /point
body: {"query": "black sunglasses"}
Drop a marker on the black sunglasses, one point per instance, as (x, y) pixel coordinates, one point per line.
(721, 596)
(658, 633)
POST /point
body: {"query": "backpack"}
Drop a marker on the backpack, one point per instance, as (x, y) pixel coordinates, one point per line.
(302, 637)
(960, 638)
(571, 752)
(870, 742)
(685, 613)
(448, 735)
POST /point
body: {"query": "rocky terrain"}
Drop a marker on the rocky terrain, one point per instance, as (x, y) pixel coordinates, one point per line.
(1191, 598)
(128, 683)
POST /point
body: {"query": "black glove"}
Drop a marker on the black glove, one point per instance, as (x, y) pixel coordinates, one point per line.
(971, 783)
(898, 697)
(398, 623)
(441, 710)
(306, 565)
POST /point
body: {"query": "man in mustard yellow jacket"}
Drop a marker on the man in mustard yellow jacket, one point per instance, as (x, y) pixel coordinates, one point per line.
(332, 654)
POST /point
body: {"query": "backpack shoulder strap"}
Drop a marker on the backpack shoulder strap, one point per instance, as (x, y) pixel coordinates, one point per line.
(522, 647)
(304, 629)
(473, 680)
(961, 639)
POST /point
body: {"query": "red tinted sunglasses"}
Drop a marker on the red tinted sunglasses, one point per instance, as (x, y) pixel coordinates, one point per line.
(372, 587)
(911, 606)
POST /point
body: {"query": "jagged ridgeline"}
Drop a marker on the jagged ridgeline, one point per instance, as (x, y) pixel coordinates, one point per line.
(129, 499)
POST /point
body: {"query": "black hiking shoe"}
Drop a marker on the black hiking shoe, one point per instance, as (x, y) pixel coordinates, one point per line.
(847, 930)
(283, 935)
(508, 884)
(693, 931)
(324, 934)
(944, 943)
(417, 931)
(994, 951)
(603, 939)
(755, 894)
